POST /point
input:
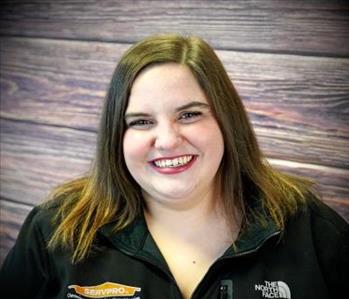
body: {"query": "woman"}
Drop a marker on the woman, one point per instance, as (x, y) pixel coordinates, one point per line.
(180, 202)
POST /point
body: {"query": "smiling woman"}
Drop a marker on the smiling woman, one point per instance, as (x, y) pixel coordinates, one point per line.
(180, 202)
(176, 152)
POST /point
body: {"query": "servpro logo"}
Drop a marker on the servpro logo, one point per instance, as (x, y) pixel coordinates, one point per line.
(105, 290)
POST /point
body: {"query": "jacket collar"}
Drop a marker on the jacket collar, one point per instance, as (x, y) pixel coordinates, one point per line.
(253, 238)
(136, 239)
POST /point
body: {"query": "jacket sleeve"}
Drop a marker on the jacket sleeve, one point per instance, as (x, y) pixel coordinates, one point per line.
(24, 273)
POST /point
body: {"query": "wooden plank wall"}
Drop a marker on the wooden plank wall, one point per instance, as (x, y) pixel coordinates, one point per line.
(288, 60)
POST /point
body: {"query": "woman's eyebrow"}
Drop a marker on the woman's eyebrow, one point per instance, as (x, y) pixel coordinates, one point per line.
(136, 114)
(194, 104)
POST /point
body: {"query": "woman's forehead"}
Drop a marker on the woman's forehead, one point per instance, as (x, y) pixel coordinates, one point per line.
(167, 85)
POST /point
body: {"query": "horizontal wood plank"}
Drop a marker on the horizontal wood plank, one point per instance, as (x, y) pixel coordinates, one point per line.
(35, 158)
(331, 184)
(312, 27)
(298, 105)
(56, 82)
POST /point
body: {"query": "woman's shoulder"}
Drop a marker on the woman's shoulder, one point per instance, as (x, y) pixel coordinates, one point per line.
(324, 217)
(43, 217)
(320, 229)
(318, 223)
(329, 235)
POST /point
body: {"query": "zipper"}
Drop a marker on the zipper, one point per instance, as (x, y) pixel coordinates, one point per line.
(223, 291)
(226, 289)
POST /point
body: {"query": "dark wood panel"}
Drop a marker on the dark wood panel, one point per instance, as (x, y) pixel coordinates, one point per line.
(35, 158)
(57, 82)
(12, 216)
(331, 184)
(317, 27)
(298, 105)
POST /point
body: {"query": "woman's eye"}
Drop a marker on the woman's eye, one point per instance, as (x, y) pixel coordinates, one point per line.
(190, 116)
(140, 123)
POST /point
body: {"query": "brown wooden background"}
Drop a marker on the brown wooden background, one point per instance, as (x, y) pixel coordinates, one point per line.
(288, 60)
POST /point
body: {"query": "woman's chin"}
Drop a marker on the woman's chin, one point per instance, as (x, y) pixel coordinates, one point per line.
(171, 195)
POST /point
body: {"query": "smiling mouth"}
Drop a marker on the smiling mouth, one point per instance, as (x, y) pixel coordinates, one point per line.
(173, 163)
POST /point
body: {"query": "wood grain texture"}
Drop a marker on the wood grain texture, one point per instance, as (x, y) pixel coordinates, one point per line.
(35, 158)
(58, 82)
(298, 105)
(331, 184)
(300, 26)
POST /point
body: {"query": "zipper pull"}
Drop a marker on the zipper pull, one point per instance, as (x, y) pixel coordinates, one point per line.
(223, 290)
(226, 290)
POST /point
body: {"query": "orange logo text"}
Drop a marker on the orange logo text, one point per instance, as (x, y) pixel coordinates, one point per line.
(107, 289)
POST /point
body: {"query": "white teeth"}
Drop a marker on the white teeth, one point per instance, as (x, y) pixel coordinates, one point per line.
(174, 162)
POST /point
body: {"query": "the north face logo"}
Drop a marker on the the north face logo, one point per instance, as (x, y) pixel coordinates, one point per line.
(274, 289)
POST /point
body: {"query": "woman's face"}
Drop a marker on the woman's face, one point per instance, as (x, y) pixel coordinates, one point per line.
(173, 145)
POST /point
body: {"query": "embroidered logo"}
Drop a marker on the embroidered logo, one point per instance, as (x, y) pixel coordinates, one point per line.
(104, 290)
(274, 289)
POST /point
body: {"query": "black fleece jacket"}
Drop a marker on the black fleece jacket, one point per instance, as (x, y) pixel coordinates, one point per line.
(309, 259)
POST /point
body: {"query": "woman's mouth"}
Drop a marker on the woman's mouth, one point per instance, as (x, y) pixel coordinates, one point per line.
(173, 165)
(176, 162)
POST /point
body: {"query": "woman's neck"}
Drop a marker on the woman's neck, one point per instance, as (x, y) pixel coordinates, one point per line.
(188, 220)
(191, 237)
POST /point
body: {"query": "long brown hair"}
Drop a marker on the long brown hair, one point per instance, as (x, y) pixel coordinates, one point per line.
(109, 193)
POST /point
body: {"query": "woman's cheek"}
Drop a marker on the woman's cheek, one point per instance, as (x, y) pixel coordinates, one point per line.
(204, 133)
(136, 145)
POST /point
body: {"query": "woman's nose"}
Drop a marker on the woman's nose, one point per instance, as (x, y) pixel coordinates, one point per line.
(167, 137)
